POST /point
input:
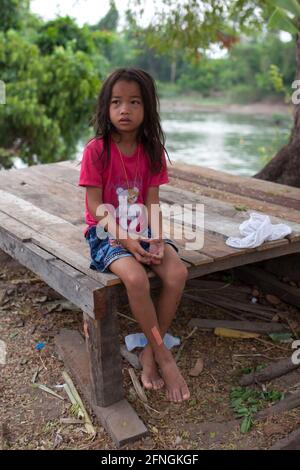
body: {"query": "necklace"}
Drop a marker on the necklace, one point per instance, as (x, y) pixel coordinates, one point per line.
(132, 192)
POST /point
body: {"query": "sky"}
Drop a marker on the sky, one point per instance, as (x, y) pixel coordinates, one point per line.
(84, 11)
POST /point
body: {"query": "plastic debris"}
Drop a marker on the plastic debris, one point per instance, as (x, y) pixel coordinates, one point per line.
(139, 340)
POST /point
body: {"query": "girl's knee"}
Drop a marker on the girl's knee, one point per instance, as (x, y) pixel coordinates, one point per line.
(137, 281)
(176, 277)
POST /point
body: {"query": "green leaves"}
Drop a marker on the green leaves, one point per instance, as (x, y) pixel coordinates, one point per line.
(293, 6)
(246, 402)
(49, 98)
(286, 16)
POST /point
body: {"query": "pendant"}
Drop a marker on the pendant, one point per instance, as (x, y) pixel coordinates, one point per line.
(132, 195)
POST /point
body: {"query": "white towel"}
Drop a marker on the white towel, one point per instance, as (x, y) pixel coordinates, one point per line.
(256, 230)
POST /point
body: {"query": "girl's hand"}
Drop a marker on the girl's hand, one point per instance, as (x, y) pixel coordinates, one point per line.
(156, 250)
(135, 248)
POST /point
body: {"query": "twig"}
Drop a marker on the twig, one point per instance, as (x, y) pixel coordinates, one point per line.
(183, 343)
(34, 377)
(42, 362)
(137, 386)
(126, 316)
(258, 354)
(271, 344)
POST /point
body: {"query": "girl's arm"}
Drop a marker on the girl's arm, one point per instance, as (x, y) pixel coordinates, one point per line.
(94, 196)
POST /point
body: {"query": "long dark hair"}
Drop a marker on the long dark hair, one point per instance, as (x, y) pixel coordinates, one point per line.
(150, 133)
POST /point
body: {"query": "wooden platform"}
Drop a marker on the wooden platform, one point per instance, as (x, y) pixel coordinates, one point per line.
(42, 223)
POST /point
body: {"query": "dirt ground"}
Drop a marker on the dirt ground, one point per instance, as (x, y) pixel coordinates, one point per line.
(31, 418)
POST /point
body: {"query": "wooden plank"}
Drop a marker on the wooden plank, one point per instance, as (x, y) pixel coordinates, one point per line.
(52, 233)
(62, 174)
(219, 216)
(118, 419)
(237, 200)
(269, 283)
(255, 327)
(250, 187)
(290, 442)
(174, 231)
(244, 258)
(50, 195)
(69, 282)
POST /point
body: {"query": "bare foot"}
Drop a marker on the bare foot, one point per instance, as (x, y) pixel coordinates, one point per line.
(176, 386)
(150, 376)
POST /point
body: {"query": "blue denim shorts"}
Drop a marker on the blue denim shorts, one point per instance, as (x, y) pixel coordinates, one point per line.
(106, 250)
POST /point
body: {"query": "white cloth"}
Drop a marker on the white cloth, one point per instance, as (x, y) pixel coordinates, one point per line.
(256, 230)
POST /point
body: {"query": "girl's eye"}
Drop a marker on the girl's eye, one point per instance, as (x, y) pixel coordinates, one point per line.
(135, 102)
(115, 101)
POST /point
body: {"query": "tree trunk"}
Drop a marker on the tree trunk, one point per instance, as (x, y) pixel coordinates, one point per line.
(284, 168)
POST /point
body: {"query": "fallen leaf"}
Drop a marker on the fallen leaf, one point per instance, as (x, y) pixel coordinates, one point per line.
(137, 386)
(272, 299)
(198, 368)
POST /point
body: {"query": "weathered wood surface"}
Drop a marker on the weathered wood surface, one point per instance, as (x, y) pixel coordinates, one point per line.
(48, 205)
(42, 224)
(255, 327)
(119, 419)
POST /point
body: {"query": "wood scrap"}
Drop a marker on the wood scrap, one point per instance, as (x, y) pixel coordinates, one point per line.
(276, 369)
(228, 333)
(177, 357)
(255, 327)
(255, 309)
(269, 283)
(288, 403)
(290, 442)
(208, 285)
(4, 445)
(130, 357)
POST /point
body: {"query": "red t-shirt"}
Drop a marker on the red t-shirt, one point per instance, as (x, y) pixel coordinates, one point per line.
(112, 178)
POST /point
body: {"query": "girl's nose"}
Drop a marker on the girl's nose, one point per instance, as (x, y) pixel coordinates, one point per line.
(124, 109)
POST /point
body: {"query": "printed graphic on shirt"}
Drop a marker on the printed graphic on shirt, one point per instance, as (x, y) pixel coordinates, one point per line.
(130, 214)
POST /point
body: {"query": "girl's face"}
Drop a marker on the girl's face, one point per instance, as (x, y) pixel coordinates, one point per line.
(126, 110)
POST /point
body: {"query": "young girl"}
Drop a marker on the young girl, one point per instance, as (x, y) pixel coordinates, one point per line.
(123, 166)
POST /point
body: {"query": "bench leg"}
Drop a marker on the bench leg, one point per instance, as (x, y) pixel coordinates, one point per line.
(119, 419)
(103, 349)
(95, 364)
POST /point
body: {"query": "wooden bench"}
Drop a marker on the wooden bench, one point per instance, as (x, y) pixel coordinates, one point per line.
(42, 223)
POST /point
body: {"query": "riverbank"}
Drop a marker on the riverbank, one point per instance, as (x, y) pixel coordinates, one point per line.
(196, 104)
